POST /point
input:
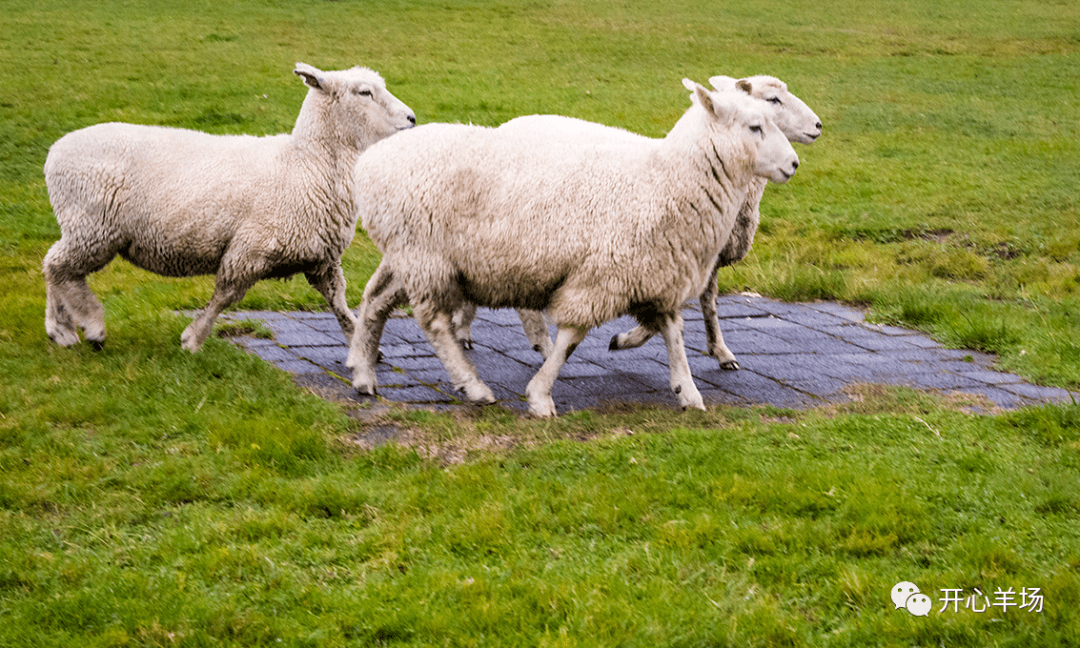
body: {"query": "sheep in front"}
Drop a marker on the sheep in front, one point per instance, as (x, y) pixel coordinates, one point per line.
(182, 203)
(797, 121)
(587, 233)
(800, 124)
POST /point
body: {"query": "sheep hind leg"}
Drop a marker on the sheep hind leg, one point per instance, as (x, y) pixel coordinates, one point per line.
(714, 339)
(538, 392)
(70, 304)
(382, 294)
(682, 383)
(536, 331)
(330, 282)
(632, 339)
(463, 319)
(438, 327)
(59, 324)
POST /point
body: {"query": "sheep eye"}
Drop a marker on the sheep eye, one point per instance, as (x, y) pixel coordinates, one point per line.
(363, 93)
(776, 100)
(755, 130)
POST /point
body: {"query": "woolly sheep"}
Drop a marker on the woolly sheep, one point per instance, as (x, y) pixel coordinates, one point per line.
(466, 213)
(798, 123)
(182, 203)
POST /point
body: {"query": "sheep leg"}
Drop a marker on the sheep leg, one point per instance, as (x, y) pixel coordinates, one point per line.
(438, 327)
(69, 302)
(536, 331)
(632, 339)
(532, 321)
(330, 281)
(227, 291)
(682, 383)
(538, 391)
(714, 339)
(463, 319)
(58, 323)
(382, 294)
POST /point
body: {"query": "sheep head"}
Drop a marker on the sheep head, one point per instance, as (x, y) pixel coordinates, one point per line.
(751, 122)
(352, 107)
(792, 115)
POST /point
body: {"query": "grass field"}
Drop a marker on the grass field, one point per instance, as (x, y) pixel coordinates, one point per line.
(152, 497)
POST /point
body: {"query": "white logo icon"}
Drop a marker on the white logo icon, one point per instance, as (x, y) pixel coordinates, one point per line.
(907, 595)
(919, 604)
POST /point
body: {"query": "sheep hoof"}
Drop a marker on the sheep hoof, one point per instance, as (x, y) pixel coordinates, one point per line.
(467, 344)
(479, 394)
(64, 338)
(689, 397)
(189, 341)
(730, 365)
(365, 383)
(542, 409)
(614, 344)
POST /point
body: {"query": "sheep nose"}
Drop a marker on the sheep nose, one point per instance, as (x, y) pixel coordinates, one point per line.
(795, 164)
(819, 126)
(412, 119)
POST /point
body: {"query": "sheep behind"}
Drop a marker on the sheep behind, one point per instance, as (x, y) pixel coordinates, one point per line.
(181, 203)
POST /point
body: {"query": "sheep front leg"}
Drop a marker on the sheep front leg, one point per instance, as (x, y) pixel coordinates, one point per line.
(682, 383)
(329, 280)
(713, 337)
(382, 294)
(438, 327)
(538, 392)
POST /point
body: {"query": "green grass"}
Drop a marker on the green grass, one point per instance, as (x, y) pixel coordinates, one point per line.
(151, 497)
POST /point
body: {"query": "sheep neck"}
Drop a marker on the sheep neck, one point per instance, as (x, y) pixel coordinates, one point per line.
(712, 168)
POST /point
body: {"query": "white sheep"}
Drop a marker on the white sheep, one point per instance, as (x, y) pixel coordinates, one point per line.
(797, 121)
(182, 203)
(799, 124)
(587, 233)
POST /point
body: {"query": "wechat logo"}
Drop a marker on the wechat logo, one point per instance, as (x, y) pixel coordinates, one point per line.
(907, 595)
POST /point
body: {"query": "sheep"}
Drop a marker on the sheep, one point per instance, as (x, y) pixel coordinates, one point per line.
(466, 213)
(799, 124)
(795, 119)
(182, 203)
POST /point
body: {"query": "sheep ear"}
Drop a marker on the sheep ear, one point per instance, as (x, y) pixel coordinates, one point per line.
(688, 84)
(704, 98)
(722, 82)
(312, 76)
(744, 85)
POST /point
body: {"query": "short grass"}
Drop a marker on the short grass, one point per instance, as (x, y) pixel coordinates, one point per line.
(151, 497)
